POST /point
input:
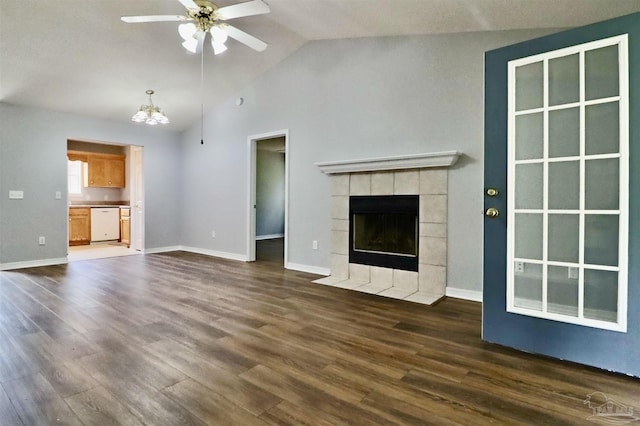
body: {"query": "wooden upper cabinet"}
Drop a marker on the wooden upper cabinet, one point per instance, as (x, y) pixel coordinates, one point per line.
(104, 170)
(115, 173)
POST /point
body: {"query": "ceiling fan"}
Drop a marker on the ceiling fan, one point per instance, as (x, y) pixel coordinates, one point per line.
(204, 17)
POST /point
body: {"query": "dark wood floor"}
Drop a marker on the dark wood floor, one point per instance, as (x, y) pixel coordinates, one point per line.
(185, 339)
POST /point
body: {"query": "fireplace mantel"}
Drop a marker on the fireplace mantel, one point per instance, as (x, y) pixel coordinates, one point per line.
(413, 161)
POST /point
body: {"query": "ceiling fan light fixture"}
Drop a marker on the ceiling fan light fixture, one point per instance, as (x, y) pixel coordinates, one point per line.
(187, 31)
(150, 114)
(194, 44)
(218, 47)
(191, 45)
(219, 35)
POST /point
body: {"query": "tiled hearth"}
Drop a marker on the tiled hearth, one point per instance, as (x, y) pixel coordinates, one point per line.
(430, 183)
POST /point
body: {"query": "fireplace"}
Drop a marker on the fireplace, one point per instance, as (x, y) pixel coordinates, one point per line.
(383, 231)
(407, 194)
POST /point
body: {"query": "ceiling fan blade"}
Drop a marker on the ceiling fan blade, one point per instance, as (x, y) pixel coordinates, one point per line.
(242, 37)
(250, 8)
(153, 18)
(189, 4)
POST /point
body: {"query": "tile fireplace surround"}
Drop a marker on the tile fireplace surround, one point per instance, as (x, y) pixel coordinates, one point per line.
(424, 175)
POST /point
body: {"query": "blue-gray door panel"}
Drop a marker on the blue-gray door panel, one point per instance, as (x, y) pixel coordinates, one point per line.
(610, 350)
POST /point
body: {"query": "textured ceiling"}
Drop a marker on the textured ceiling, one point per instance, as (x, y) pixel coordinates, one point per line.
(77, 56)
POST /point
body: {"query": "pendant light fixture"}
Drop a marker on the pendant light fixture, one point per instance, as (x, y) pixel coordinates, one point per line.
(150, 114)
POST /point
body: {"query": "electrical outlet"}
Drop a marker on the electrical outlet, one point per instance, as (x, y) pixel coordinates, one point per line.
(16, 195)
(573, 273)
(41, 241)
(315, 244)
(213, 234)
(519, 267)
(58, 195)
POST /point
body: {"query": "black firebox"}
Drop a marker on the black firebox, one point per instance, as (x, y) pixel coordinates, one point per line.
(383, 231)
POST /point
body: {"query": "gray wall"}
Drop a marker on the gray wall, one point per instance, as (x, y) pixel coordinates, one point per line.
(269, 193)
(340, 100)
(33, 147)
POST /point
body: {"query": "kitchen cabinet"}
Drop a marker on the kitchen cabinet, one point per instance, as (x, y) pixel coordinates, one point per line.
(105, 224)
(125, 226)
(101, 170)
(79, 226)
(106, 171)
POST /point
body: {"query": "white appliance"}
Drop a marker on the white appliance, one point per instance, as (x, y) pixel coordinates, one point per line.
(105, 223)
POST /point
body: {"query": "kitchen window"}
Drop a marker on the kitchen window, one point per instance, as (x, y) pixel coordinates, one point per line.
(74, 177)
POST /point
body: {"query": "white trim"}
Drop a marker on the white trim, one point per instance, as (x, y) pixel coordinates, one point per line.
(462, 293)
(197, 250)
(251, 192)
(268, 237)
(32, 263)
(309, 269)
(413, 161)
(161, 249)
(214, 253)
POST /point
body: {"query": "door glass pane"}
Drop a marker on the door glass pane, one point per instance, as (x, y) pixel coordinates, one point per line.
(563, 237)
(529, 86)
(601, 72)
(602, 128)
(564, 80)
(528, 236)
(562, 290)
(601, 180)
(601, 295)
(564, 132)
(529, 136)
(529, 186)
(528, 286)
(601, 239)
(564, 185)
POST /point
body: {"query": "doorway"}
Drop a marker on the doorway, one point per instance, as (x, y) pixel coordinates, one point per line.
(268, 198)
(118, 206)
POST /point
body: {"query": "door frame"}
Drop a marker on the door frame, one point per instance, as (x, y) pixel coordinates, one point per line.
(252, 142)
(136, 197)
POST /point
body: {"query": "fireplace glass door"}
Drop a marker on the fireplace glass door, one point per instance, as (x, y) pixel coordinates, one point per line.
(393, 233)
(383, 231)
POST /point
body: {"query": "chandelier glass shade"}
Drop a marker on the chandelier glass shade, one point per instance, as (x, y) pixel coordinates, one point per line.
(150, 114)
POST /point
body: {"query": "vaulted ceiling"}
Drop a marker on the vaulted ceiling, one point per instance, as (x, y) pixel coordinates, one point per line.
(77, 56)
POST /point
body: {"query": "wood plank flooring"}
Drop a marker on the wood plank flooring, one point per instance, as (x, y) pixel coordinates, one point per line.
(185, 339)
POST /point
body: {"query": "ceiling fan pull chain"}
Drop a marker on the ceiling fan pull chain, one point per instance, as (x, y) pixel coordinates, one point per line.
(202, 97)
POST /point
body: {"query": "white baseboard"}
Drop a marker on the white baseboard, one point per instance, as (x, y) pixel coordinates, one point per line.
(309, 269)
(269, 236)
(161, 249)
(222, 254)
(32, 263)
(461, 293)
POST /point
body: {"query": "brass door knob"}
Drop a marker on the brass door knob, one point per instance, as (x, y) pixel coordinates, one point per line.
(492, 192)
(492, 212)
